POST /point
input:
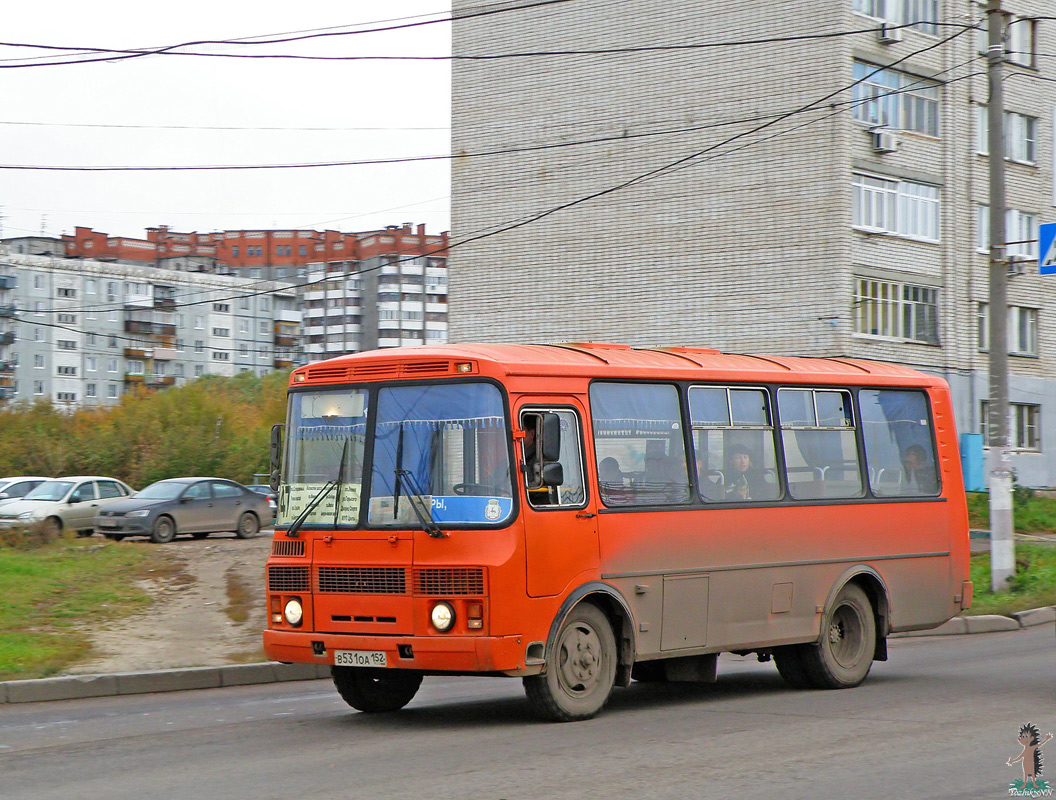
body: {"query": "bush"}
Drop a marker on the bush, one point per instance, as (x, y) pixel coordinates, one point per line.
(28, 537)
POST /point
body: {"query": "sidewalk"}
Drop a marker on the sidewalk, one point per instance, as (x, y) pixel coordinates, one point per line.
(75, 687)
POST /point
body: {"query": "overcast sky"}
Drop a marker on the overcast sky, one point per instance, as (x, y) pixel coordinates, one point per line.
(196, 94)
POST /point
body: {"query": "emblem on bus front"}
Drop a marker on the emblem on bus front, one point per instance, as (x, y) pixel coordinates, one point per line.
(492, 511)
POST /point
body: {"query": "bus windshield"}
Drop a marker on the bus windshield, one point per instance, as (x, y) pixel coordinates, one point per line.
(443, 447)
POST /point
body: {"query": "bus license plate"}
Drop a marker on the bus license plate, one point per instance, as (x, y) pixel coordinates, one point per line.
(360, 658)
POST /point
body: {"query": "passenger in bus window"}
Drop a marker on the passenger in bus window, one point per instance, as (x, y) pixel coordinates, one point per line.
(918, 477)
(609, 472)
(743, 482)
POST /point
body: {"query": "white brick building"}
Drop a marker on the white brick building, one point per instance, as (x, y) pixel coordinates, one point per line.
(802, 237)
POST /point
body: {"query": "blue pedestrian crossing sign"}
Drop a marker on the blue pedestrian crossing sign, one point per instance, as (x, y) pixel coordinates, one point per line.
(1047, 249)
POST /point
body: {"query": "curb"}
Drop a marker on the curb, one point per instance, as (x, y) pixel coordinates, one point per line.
(987, 623)
(76, 687)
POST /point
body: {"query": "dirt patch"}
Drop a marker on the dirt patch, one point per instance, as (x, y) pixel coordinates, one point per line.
(208, 612)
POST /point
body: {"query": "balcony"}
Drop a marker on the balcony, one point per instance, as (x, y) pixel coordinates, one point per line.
(7, 380)
(281, 363)
(293, 317)
(7, 337)
(285, 341)
(136, 352)
(133, 378)
(8, 311)
(149, 328)
(7, 282)
(160, 380)
(7, 366)
(164, 354)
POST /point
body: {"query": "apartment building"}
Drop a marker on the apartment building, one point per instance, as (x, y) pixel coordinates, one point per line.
(86, 332)
(815, 196)
(360, 291)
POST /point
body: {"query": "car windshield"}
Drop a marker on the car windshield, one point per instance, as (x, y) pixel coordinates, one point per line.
(50, 490)
(162, 490)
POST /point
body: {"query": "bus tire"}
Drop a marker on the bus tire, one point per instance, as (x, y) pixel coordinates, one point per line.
(789, 661)
(374, 691)
(581, 670)
(844, 655)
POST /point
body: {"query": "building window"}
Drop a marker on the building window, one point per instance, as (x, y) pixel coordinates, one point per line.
(111, 365)
(1021, 232)
(223, 308)
(199, 370)
(892, 206)
(38, 281)
(302, 250)
(90, 364)
(67, 397)
(243, 326)
(221, 331)
(1024, 425)
(179, 370)
(896, 310)
(67, 344)
(221, 355)
(38, 361)
(199, 346)
(1022, 330)
(135, 367)
(67, 319)
(243, 303)
(198, 323)
(66, 370)
(255, 272)
(893, 99)
(66, 292)
(234, 251)
(111, 341)
(38, 334)
(38, 387)
(111, 390)
(1021, 136)
(89, 390)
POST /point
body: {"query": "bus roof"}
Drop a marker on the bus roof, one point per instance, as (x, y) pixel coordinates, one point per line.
(594, 359)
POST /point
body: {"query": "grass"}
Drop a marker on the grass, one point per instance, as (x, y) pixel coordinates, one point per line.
(1031, 513)
(1033, 586)
(55, 593)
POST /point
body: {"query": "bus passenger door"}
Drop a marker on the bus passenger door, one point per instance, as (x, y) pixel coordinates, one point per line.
(561, 534)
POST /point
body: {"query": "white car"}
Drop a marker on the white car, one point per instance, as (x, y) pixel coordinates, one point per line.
(15, 488)
(64, 503)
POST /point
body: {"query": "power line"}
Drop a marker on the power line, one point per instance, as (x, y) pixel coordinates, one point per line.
(119, 54)
(122, 55)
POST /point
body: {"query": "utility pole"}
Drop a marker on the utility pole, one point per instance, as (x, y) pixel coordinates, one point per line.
(1002, 546)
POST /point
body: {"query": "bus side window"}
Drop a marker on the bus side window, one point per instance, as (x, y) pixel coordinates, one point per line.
(821, 450)
(572, 490)
(899, 442)
(638, 443)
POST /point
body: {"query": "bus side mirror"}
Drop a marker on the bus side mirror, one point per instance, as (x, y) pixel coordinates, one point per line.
(551, 439)
(553, 474)
(276, 456)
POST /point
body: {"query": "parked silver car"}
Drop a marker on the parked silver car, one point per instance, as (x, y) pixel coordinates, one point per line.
(64, 503)
(16, 488)
(198, 506)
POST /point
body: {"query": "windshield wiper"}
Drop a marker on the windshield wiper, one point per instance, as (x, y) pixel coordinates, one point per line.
(428, 525)
(295, 527)
(340, 482)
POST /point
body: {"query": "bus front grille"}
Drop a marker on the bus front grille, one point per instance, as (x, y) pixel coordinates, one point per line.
(361, 580)
(289, 579)
(287, 547)
(451, 581)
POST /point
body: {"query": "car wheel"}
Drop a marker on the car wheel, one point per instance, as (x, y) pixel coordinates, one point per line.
(52, 527)
(248, 525)
(164, 531)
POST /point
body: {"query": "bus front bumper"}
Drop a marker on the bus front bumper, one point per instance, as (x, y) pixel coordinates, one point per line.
(461, 654)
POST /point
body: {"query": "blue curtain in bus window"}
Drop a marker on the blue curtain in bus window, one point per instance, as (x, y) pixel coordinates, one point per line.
(410, 423)
(708, 406)
(895, 424)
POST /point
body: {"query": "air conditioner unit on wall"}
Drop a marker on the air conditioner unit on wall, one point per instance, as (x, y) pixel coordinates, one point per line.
(884, 142)
(885, 34)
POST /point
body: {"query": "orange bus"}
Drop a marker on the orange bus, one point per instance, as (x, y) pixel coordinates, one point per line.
(583, 515)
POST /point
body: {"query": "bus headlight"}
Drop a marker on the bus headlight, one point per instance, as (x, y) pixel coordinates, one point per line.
(293, 612)
(442, 617)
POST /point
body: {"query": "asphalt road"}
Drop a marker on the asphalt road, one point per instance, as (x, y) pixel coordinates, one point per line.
(938, 720)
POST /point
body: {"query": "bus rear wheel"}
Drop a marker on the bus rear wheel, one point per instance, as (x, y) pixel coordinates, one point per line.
(375, 690)
(581, 670)
(844, 655)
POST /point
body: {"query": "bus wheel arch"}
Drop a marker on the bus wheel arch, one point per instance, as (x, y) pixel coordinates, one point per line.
(875, 588)
(589, 651)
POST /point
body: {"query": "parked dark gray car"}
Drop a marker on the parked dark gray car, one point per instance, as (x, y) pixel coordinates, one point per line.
(198, 506)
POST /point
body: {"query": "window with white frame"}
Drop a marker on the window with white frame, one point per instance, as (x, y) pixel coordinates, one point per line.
(198, 323)
(1021, 136)
(893, 99)
(199, 370)
(895, 310)
(38, 361)
(1022, 329)
(111, 390)
(89, 390)
(1020, 41)
(905, 208)
(1024, 425)
(135, 367)
(921, 14)
(1021, 232)
(221, 355)
(90, 364)
(111, 365)
(38, 387)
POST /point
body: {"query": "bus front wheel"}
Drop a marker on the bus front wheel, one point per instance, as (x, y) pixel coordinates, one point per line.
(581, 670)
(848, 640)
(375, 690)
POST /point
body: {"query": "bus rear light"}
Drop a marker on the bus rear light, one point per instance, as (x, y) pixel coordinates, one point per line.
(475, 616)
